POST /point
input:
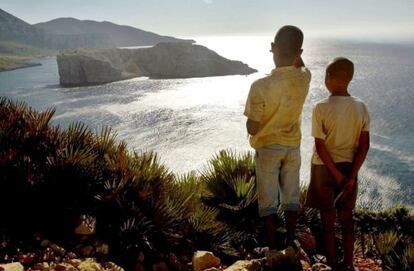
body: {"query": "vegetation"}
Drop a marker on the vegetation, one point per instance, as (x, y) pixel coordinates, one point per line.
(53, 179)
(14, 55)
(14, 62)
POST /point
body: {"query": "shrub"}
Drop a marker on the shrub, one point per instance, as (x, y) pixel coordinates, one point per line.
(230, 188)
(50, 178)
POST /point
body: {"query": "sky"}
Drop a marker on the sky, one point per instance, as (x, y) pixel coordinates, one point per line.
(391, 20)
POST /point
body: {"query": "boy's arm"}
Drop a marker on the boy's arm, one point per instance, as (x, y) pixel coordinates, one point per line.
(327, 160)
(359, 158)
(254, 109)
(252, 126)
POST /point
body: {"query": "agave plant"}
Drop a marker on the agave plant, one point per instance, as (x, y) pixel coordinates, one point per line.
(408, 257)
(386, 242)
(230, 187)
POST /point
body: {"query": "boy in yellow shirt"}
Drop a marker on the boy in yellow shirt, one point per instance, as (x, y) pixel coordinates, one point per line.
(273, 109)
(340, 126)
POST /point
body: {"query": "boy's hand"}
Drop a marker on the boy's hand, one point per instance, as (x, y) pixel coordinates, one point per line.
(298, 62)
(339, 178)
(349, 185)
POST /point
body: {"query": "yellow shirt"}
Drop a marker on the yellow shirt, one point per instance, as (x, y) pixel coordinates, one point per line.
(276, 102)
(339, 120)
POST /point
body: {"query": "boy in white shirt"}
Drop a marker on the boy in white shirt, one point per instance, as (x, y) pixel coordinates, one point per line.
(273, 109)
(340, 126)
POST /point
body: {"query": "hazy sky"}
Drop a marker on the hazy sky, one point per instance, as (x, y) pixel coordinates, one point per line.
(372, 19)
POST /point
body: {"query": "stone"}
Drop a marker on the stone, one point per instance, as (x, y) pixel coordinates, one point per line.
(204, 259)
(89, 264)
(42, 266)
(57, 249)
(164, 60)
(74, 262)
(64, 267)
(282, 259)
(321, 267)
(111, 266)
(305, 266)
(71, 255)
(306, 239)
(213, 269)
(244, 265)
(12, 267)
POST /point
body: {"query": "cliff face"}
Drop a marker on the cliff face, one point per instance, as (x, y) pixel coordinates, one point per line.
(165, 60)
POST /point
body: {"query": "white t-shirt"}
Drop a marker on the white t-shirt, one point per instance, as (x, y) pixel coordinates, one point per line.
(276, 102)
(339, 120)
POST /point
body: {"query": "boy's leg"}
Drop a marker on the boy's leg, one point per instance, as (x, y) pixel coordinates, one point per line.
(291, 218)
(290, 192)
(328, 221)
(270, 230)
(321, 195)
(268, 162)
(348, 238)
(345, 215)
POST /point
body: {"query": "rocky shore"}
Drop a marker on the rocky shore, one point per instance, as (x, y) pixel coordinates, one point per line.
(165, 60)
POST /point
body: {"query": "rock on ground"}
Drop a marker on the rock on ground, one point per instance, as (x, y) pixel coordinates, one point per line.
(204, 260)
(320, 267)
(11, 267)
(244, 265)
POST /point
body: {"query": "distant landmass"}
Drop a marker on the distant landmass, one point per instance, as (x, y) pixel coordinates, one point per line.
(66, 33)
(165, 60)
(21, 41)
(107, 34)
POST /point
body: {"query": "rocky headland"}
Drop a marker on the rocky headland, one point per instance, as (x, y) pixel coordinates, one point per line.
(164, 60)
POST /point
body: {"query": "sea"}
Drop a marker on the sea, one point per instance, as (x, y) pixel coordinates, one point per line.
(188, 121)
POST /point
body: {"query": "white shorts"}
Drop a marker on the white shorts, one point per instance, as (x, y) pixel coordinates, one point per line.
(277, 178)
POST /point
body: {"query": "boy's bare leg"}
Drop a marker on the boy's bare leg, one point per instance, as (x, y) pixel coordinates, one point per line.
(270, 230)
(348, 238)
(328, 221)
(290, 220)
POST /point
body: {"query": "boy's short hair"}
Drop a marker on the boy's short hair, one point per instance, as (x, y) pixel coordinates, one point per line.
(289, 39)
(341, 68)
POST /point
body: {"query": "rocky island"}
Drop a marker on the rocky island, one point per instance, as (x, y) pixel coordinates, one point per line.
(165, 60)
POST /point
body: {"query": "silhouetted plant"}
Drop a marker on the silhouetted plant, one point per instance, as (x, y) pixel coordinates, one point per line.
(230, 188)
(52, 177)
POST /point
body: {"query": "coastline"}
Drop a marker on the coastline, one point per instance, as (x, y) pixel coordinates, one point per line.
(10, 63)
